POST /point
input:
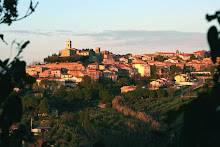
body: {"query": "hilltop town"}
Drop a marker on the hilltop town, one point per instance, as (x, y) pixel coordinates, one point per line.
(157, 67)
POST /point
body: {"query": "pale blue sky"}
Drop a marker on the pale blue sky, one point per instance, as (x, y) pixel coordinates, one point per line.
(120, 26)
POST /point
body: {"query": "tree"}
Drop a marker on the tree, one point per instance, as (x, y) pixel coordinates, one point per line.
(152, 94)
(86, 80)
(61, 92)
(130, 94)
(138, 93)
(175, 69)
(170, 91)
(104, 94)
(212, 70)
(54, 84)
(159, 58)
(124, 81)
(160, 93)
(79, 94)
(145, 93)
(184, 68)
(29, 104)
(86, 122)
(44, 83)
(71, 96)
(35, 87)
(67, 117)
(153, 71)
(44, 106)
(192, 57)
(87, 93)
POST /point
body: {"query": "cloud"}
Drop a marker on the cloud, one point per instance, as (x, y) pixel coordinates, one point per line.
(131, 34)
(27, 32)
(149, 40)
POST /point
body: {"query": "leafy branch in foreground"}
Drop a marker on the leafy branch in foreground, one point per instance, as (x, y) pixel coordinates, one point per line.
(12, 75)
(9, 13)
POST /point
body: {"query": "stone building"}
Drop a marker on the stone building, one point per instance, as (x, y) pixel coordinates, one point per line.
(97, 50)
(68, 51)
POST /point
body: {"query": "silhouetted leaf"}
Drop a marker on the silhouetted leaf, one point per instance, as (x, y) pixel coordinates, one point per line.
(24, 45)
(219, 20)
(6, 61)
(213, 42)
(2, 38)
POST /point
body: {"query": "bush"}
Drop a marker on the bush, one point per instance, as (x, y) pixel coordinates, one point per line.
(152, 94)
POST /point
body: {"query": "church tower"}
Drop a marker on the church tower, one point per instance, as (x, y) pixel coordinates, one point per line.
(177, 53)
(97, 50)
(68, 44)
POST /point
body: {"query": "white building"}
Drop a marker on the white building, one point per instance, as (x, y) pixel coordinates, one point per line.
(142, 68)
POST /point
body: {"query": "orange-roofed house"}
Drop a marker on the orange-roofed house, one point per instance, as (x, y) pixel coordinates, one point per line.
(108, 61)
(84, 53)
(94, 74)
(66, 76)
(94, 65)
(196, 64)
(148, 57)
(123, 60)
(164, 54)
(202, 54)
(31, 70)
(56, 72)
(128, 88)
(143, 69)
(185, 56)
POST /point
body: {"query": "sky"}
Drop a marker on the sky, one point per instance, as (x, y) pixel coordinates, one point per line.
(120, 26)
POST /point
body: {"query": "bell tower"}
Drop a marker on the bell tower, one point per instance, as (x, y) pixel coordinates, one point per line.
(68, 44)
(177, 53)
(97, 50)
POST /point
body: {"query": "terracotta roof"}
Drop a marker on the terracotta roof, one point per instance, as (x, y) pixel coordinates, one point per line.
(56, 69)
(48, 78)
(148, 54)
(202, 51)
(163, 53)
(94, 71)
(74, 70)
(78, 76)
(185, 54)
(65, 74)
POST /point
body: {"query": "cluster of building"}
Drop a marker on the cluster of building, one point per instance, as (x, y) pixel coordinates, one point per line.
(113, 66)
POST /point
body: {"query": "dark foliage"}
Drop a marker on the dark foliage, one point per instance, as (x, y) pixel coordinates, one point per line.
(202, 115)
(74, 58)
(12, 74)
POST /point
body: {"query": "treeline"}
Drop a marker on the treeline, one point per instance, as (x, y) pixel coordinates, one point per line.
(145, 93)
(73, 58)
(64, 98)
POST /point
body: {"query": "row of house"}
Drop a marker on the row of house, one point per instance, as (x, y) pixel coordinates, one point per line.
(66, 72)
(113, 66)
